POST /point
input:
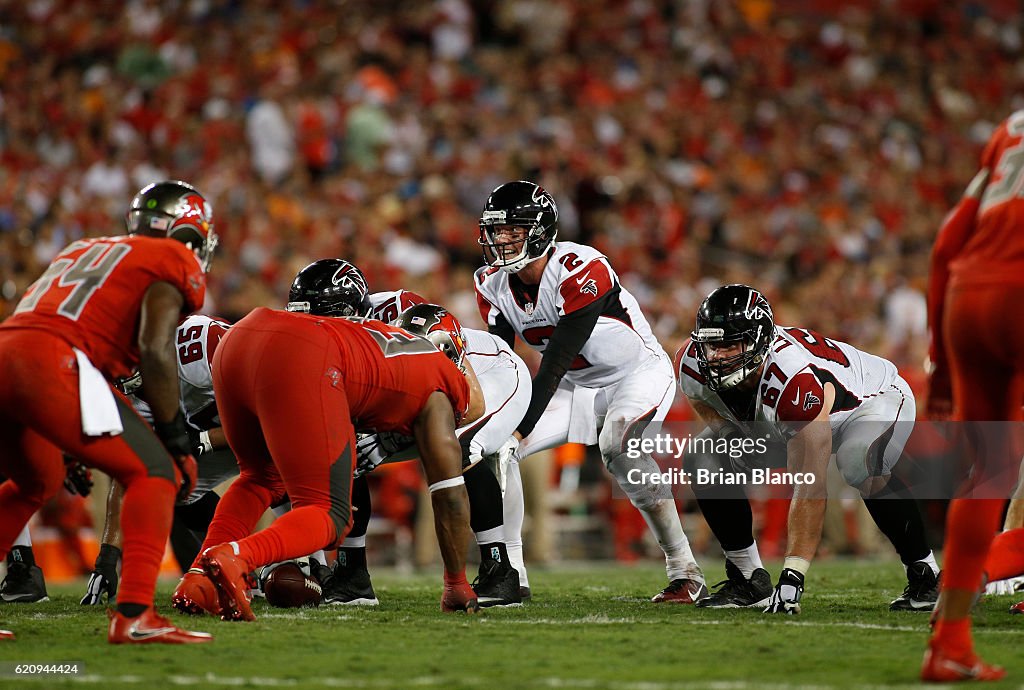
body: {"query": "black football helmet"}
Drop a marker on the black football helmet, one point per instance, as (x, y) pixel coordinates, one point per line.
(177, 210)
(518, 204)
(439, 326)
(733, 314)
(330, 287)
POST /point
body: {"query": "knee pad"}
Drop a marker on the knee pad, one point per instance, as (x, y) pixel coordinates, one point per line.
(645, 496)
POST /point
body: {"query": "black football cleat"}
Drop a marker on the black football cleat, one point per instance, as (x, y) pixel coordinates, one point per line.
(921, 592)
(24, 584)
(738, 592)
(497, 584)
(348, 586)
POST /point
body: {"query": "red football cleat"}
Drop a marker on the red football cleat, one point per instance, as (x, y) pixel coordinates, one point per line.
(150, 628)
(1018, 607)
(6, 635)
(459, 599)
(196, 594)
(230, 575)
(681, 591)
(940, 668)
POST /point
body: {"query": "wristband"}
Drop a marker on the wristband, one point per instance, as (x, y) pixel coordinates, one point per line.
(801, 565)
(446, 484)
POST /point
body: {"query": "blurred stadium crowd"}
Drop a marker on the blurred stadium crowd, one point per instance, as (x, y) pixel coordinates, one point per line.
(807, 147)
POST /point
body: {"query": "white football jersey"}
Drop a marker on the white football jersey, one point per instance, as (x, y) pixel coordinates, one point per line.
(195, 340)
(575, 276)
(386, 306)
(791, 388)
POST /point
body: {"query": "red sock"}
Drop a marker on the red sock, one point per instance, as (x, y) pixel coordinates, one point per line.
(953, 638)
(237, 513)
(1006, 555)
(970, 526)
(299, 532)
(146, 513)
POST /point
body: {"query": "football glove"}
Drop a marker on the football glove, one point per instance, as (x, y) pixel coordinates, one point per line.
(174, 435)
(102, 587)
(501, 459)
(374, 449)
(77, 477)
(786, 597)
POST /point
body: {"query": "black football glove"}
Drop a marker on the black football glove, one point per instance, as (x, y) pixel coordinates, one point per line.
(102, 587)
(174, 435)
(77, 477)
(786, 597)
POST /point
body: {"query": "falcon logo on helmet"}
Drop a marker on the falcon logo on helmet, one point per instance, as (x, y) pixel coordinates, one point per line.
(330, 287)
(439, 326)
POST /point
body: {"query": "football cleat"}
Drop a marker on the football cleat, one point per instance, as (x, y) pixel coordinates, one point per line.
(231, 576)
(940, 668)
(6, 635)
(196, 594)
(739, 592)
(24, 584)
(497, 584)
(457, 599)
(349, 587)
(525, 594)
(921, 592)
(1017, 608)
(150, 628)
(681, 591)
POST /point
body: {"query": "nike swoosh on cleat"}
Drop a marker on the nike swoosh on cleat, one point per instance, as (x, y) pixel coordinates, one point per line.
(136, 634)
(19, 597)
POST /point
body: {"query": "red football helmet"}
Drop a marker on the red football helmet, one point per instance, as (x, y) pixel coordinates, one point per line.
(439, 326)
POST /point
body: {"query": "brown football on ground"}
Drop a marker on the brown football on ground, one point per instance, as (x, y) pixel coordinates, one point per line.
(287, 587)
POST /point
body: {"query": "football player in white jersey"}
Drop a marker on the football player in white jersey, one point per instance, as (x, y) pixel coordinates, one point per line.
(337, 287)
(814, 397)
(603, 377)
(196, 339)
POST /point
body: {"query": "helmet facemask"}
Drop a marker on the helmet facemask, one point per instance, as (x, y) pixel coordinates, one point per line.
(722, 373)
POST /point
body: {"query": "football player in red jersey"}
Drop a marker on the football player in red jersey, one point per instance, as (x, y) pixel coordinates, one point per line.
(290, 388)
(974, 297)
(103, 307)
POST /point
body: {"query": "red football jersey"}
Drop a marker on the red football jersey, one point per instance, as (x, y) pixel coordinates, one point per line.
(91, 295)
(994, 250)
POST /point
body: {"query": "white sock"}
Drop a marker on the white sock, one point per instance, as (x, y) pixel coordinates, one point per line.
(23, 538)
(490, 535)
(930, 560)
(663, 521)
(515, 511)
(747, 560)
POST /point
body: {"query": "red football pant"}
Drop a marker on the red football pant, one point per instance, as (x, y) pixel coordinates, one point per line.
(984, 341)
(282, 402)
(40, 417)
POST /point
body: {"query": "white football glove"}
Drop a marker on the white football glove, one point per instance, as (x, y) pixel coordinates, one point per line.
(1000, 587)
(786, 597)
(374, 449)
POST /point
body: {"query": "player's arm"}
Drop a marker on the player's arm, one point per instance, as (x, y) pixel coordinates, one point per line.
(570, 335)
(441, 456)
(158, 364)
(710, 416)
(808, 453)
(102, 586)
(956, 230)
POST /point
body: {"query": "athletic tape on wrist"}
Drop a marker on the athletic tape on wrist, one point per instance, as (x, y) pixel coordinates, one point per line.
(204, 441)
(801, 565)
(446, 484)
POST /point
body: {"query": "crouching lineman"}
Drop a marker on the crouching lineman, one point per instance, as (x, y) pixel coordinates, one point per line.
(603, 377)
(816, 396)
(337, 287)
(288, 388)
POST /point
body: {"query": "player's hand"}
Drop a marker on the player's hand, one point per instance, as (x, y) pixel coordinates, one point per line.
(786, 597)
(77, 477)
(102, 587)
(1003, 587)
(501, 459)
(174, 435)
(369, 453)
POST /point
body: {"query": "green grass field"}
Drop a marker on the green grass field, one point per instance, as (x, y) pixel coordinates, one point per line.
(587, 627)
